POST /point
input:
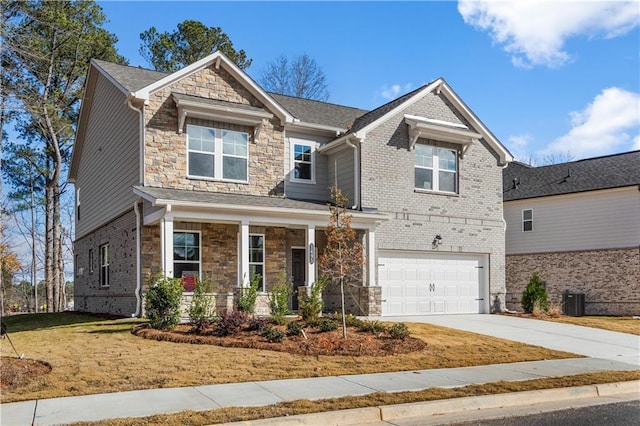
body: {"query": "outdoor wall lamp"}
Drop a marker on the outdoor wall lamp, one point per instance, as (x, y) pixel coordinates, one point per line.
(437, 241)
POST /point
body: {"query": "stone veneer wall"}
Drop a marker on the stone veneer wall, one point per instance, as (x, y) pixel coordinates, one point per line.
(166, 149)
(119, 297)
(609, 279)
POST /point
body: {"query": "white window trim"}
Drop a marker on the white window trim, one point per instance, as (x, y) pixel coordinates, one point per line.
(527, 220)
(107, 265)
(218, 156)
(436, 171)
(91, 260)
(292, 161)
(188, 231)
(263, 263)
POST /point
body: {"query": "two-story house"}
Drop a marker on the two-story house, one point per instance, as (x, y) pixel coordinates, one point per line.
(203, 173)
(577, 225)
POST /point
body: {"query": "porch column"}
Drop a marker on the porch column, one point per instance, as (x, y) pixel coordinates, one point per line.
(371, 257)
(166, 238)
(244, 254)
(311, 255)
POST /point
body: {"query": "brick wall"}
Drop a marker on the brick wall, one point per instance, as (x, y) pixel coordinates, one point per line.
(609, 279)
(119, 297)
(166, 149)
(468, 222)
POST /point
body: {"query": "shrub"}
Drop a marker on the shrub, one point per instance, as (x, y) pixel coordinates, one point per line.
(230, 323)
(327, 324)
(272, 334)
(256, 324)
(249, 295)
(278, 319)
(162, 302)
(374, 327)
(535, 295)
(311, 305)
(294, 328)
(399, 330)
(350, 319)
(202, 309)
(279, 297)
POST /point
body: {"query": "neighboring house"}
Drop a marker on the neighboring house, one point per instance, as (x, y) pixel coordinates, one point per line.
(203, 173)
(577, 225)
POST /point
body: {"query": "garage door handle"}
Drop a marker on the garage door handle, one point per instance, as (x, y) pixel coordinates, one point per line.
(480, 299)
(383, 300)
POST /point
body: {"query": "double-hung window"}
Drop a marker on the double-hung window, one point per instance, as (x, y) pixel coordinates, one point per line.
(527, 220)
(256, 258)
(436, 169)
(217, 154)
(186, 254)
(303, 163)
(104, 265)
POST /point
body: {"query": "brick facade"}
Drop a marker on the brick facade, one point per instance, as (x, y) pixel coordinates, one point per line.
(609, 279)
(468, 222)
(119, 297)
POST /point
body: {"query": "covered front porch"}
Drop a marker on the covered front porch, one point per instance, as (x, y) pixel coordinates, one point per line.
(229, 238)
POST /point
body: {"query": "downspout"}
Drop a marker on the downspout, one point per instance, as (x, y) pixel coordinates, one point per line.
(140, 112)
(356, 174)
(138, 312)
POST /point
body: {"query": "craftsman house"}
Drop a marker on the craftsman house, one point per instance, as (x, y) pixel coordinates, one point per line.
(577, 225)
(203, 173)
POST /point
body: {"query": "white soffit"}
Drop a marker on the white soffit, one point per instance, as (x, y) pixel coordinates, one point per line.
(422, 127)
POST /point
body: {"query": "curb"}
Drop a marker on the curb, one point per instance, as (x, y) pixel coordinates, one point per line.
(449, 406)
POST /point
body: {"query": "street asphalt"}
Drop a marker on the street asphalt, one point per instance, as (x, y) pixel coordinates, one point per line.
(604, 351)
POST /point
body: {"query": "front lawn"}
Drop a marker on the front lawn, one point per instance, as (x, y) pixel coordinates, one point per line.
(627, 325)
(91, 355)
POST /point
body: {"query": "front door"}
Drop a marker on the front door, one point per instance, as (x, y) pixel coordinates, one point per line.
(298, 273)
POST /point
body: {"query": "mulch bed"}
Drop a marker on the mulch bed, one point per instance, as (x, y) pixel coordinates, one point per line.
(317, 343)
(19, 372)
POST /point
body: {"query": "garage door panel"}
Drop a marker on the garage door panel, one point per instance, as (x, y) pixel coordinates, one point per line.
(416, 283)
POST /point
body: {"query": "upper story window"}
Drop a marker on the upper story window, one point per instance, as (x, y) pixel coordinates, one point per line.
(303, 163)
(527, 220)
(436, 169)
(217, 154)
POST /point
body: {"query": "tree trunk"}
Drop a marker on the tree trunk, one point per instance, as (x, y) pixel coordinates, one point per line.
(49, 248)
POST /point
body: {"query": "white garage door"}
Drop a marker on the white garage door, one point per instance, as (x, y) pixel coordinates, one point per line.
(416, 283)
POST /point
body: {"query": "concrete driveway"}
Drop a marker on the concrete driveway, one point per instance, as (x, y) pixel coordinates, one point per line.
(591, 342)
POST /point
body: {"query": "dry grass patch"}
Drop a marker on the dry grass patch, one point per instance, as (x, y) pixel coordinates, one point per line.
(237, 414)
(620, 324)
(90, 355)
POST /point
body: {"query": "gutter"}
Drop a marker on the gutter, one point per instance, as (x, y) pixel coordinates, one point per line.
(138, 312)
(141, 134)
(356, 173)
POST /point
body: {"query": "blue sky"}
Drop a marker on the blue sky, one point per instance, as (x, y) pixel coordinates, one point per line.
(548, 78)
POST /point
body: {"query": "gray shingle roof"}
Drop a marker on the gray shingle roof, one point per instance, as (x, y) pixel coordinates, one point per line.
(611, 171)
(373, 115)
(316, 112)
(131, 78)
(187, 196)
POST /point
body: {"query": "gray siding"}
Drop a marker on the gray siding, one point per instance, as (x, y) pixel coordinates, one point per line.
(468, 222)
(110, 162)
(606, 219)
(306, 191)
(341, 172)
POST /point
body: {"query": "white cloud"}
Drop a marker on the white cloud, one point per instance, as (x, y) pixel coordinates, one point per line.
(611, 123)
(518, 146)
(534, 32)
(394, 91)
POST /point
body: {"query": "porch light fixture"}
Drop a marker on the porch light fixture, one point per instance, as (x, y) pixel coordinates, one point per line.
(437, 241)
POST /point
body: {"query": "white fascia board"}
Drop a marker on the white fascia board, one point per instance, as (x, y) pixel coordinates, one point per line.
(434, 121)
(505, 156)
(362, 133)
(303, 127)
(336, 143)
(220, 59)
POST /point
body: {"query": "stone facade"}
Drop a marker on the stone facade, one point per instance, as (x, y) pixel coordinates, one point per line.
(165, 163)
(470, 221)
(119, 296)
(609, 279)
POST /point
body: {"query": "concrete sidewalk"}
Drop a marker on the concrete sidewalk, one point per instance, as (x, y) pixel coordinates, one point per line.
(200, 398)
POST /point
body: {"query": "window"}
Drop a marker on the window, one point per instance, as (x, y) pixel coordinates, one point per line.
(104, 265)
(217, 154)
(436, 169)
(91, 261)
(303, 165)
(527, 220)
(186, 255)
(256, 258)
(78, 204)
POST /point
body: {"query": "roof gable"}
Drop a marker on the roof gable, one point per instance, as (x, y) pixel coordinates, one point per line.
(521, 181)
